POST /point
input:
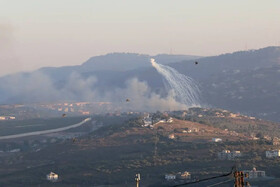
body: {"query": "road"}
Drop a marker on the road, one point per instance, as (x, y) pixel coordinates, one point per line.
(45, 131)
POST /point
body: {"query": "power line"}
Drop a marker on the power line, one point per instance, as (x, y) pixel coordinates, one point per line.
(220, 183)
(206, 179)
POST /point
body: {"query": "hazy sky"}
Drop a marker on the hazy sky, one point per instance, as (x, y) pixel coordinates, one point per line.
(36, 33)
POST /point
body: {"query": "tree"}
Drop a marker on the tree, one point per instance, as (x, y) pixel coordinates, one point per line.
(260, 135)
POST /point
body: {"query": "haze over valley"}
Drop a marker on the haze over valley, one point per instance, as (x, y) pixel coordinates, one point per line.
(139, 93)
(244, 81)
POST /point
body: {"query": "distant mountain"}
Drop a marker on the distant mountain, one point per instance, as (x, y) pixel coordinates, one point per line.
(111, 65)
(118, 62)
(237, 62)
(101, 73)
(129, 61)
(244, 81)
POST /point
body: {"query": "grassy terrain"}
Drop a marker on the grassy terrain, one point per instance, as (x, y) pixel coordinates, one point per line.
(221, 119)
(113, 154)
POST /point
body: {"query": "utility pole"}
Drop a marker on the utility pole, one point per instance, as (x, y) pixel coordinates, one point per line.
(236, 180)
(242, 179)
(239, 179)
(137, 179)
(155, 150)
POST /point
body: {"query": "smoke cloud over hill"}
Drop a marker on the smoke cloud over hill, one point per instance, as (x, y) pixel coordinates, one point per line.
(38, 88)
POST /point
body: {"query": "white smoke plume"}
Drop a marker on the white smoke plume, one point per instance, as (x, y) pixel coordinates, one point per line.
(8, 58)
(143, 99)
(185, 88)
(38, 88)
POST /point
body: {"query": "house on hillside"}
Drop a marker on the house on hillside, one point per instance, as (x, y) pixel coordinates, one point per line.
(53, 177)
(170, 177)
(275, 141)
(170, 120)
(228, 155)
(195, 129)
(171, 136)
(272, 154)
(217, 140)
(232, 115)
(184, 176)
(14, 150)
(147, 121)
(190, 130)
(219, 115)
(7, 118)
(266, 137)
(253, 174)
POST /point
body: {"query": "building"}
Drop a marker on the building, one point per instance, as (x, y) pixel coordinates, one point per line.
(232, 115)
(185, 175)
(170, 120)
(216, 139)
(7, 118)
(147, 121)
(272, 154)
(170, 177)
(253, 174)
(266, 137)
(195, 129)
(228, 155)
(14, 150)
(275, 141)
(171, 136)
(52, 177)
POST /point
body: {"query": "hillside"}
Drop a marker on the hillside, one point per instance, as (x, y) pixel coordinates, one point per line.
(114, 153)
(245, 82)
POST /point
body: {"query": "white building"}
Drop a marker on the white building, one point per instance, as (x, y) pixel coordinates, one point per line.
(170, 177)
(253, 174)
(147, 121)
(52, 176)
(272, 154)
(184, 175)
(216, 139)
(14, 150)
(228, 155)
(7, 118)
(170, 120)
(171, 136)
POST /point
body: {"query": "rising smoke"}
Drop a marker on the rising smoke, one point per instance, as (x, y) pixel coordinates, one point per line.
(185, 88)
(38, 87)
(8, 57)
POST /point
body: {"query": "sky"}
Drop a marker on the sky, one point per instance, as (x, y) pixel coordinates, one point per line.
(37, 33)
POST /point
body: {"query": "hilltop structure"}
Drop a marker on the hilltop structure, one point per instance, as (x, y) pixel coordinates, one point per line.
(254, 173)
(228, 155)
(272, 154)
(53, 177)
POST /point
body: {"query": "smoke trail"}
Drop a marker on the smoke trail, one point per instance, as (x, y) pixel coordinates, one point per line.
(185, 89)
